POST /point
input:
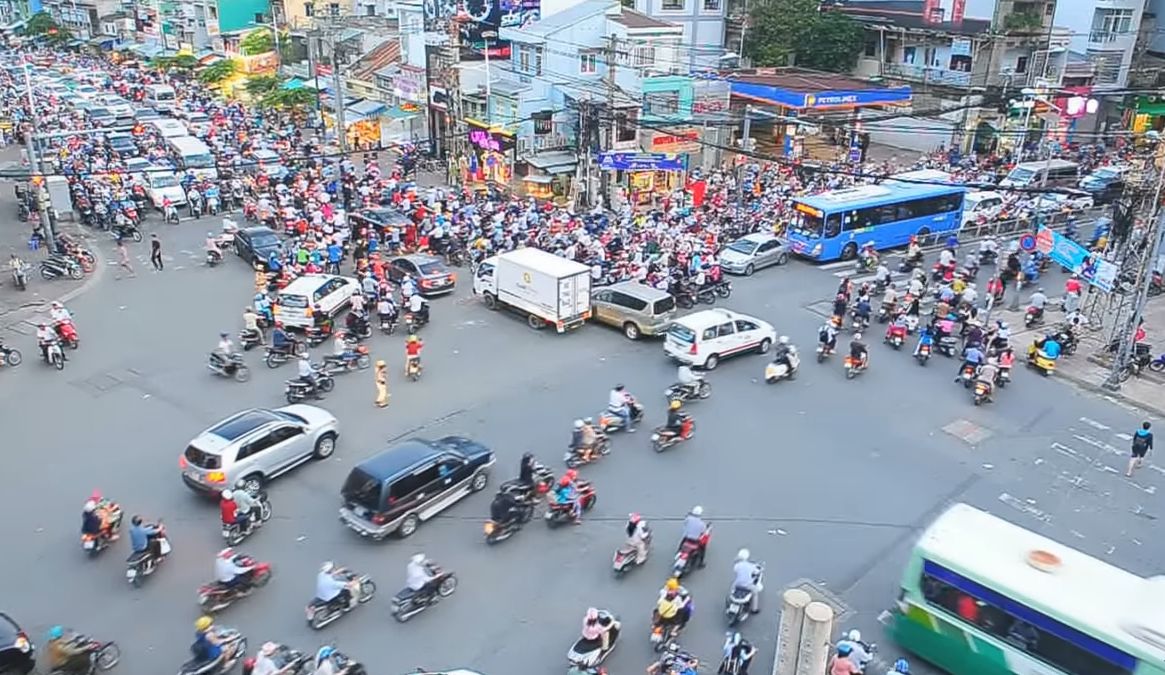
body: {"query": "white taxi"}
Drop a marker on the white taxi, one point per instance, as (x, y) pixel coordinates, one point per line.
(703, 338)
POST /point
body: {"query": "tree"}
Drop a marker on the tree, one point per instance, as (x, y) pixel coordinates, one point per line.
(40, 24)
(798, 33)
(176, 62)
(288, 99)
(257, 42)
(261, 85)
(218, 71)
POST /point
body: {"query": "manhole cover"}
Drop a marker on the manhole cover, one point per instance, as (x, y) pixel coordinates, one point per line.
(968, 432)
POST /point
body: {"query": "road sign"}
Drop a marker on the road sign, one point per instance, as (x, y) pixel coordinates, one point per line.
(1027, 242)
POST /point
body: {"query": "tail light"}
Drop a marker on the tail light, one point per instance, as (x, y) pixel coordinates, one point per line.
(542, 488)
(489, 527)
(182, 462)
(309, 312)
(692, 349)
(379, 519)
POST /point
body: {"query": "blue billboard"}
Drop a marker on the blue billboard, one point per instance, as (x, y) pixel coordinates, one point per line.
(640, 161)
(1091, 267)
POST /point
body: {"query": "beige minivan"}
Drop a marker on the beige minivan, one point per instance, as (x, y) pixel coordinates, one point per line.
(635, 308)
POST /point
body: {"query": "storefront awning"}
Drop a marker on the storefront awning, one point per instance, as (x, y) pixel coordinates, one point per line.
(398, 113)
(538, 178)
(365, 109)
(1154, 109)
(554, 162)
(103, 41)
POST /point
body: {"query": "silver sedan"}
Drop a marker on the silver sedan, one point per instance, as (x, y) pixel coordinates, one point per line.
(752, 252)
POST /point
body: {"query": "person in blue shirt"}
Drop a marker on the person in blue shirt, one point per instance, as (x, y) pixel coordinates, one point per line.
(564, 493)
(280, 342)
(953, 242)
(273, 263)
(862, 310)
(1142, 444)
(206, 647)
(925, 337)
(973, 357)
(1050, 347)
(335, 257)
(143, 537)
(262, 305)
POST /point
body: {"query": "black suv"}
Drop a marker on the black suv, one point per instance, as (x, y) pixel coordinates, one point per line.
(397, 489)
(17, 653)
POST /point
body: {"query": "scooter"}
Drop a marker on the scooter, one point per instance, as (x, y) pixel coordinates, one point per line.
(853, 367)
(609, 421)
(59, 266)
(320, 613)
(67, 332)
(297, 390)
(982, 392)
(895, 336)
(775, 372)
(663, 438)
(356, 359)
(1033, 317)
(1036, 358)
(213, 257)
(738, 605)
(682, 564)
(413, 369)
(500, 531)
(56, 355)
(824, 351)
(560, 514)
(923, 354)
(586, 655)
(625, 557)
(215, 596)
(680, 392)
(250, 339)
(967, 376)
(235, 533)
(408, 603)
(141, 565)
(574, 457)
(234, 367)
(234, 648)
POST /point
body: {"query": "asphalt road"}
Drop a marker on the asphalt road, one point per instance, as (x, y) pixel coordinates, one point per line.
(825, 479)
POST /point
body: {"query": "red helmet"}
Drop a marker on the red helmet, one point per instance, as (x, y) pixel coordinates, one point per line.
(570, 474)
(564, 481)
(634, 517)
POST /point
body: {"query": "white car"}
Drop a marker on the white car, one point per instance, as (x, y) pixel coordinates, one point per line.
(116, 105)
(196, 122)
(703, 338)
(164, 184)
(87, 92)
(1070, 200)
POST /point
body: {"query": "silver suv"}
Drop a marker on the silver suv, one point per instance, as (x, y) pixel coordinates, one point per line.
(257, 445)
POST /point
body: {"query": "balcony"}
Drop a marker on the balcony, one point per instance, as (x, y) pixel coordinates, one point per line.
(923, 74)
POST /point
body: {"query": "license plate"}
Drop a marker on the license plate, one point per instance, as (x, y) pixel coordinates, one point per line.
(194, 475)
(89, 544)
(226, 533)
(655, 437)
(131, 573)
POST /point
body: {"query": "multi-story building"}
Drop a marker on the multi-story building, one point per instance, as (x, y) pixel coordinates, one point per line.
(81, 17)
(302, 14)
(703, 25)
(1107, 32)
(12, 11)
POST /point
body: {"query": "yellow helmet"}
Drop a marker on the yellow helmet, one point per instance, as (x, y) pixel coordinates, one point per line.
(674, 405)
(413, 338)
(202, 623)
(672, 584)
(380, 363)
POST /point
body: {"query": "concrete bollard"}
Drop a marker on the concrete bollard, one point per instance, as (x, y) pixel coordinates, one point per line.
(814, 648)
(793, 604)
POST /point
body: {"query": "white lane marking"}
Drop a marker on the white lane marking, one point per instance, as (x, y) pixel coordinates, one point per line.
(836, 265)
(1065, 450)
(1094, 424)
(1025, 507)
(1124, 437)
(1099, 445)
(1156, 468)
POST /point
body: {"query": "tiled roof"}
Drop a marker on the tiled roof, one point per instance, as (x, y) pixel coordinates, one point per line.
(382, 56)
(633, 19)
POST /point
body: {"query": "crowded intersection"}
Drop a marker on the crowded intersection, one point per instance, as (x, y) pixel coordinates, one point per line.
(301, 385)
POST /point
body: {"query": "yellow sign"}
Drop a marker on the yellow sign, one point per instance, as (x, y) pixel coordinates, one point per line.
(805, 208)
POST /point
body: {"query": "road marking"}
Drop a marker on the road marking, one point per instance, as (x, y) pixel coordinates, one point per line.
(1147, 489)
(836, 265)
(1025, 507)
(1094, 424)
(1124, 437)
(1076, 534)
(1065, 450)
(1099, 445)
(1156, 468)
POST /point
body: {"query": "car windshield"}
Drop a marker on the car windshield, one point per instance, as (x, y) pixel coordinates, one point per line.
(743, 246)
(1105, 174)
(806, 224)
(289, 417)
(362, 490)
(163, 181)
(199, 161)
(265, 241)
(434, 267)
(681, 333)
(665, 305)
(1021, 175)
(100, 112)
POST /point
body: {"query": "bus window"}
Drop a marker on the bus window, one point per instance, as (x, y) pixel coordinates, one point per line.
(832, 225)
(807, 224)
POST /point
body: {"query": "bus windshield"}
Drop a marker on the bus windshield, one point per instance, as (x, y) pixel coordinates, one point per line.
(1021, 175)
(805, 224)
(199, 161)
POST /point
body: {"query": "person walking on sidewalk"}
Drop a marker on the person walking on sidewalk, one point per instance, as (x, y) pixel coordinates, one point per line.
(123, 258)
(381, 375)
(156, 252)
(1142, 444)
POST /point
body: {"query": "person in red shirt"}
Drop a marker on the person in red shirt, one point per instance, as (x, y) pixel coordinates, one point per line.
(228, 509)
(413, 352)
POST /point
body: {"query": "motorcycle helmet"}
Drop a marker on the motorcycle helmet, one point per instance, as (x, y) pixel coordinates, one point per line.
(325, 652)
(588, 420)
(268, 648)
(327, 567)
(56, 633)
(224, 336)
(902, 666)
(228, 495)
(784, 339)
(418, 559)
(578, 424)
(844, 650)
(742, 555)
(563, 482)
(202, 623)
(854, 635)
(57, 305)
(634, 518)
(380, 363)
(697, 511)
(90, 506)
(304, 357)
(675, 404)
(210, 235)
(227, 553)
(618, 387)
(857, 336)
(413, 339)
(672, 584)
(240, 484)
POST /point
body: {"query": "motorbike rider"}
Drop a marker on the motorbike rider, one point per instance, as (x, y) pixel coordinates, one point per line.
(418, 578)
(67, 653)
(594, 629)
(332, 588)
(386, 309)
(637, 535)
(901, 667)
(505, 509)
(280, 341)
(566, 492)
(212, 246)
(689, 380)
(669, 608)
(229, 511)
(860, 653)
(221, 357)
(251, 323)
(228, 571)
(782, 351)
(45, 338)
(988, 373)
(1038, 301)
(1001, 336)
(413, 347)
(248, 504)
(582, 440)
(307, 374)
(91, 522)
(840, 303)
(143, 537)
(342, 351)
(1050, 346)
(842, 663)
(913, 252)
(419, 309)
(619, 403)
(326, 664)
(862, 311)
(827, 336)
(694, 529)
(747, 577)
(59, 314)
(882, 275)
(890, 298)
(671, 588)
(737, 651)
(858, 351)
(206, 647)
(675, 417)
(17, 266)
(973, 357)
(265, 661)
(526, 470)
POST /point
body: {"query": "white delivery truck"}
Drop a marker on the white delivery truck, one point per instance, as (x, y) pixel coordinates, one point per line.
(547, 289)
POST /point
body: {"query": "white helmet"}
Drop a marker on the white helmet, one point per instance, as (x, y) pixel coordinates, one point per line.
(227, 494)
(857, 336)
(578, 424)
(854, 635)
(697, 511)
(327, 567)
(418, 559)
(784, 339)
(90, 506)
(742, 555)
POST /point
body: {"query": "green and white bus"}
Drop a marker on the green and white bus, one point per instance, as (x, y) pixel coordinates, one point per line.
(982, 596)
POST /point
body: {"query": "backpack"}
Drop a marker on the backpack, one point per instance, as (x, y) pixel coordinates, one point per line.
(1141, 442)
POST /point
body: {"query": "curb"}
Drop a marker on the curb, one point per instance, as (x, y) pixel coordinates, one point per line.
(1089, 385)
(21, 315)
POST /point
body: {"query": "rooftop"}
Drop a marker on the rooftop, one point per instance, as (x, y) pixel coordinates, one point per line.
(382, 56)
(907, 15)
(559, 21)
(632, 19)
(801, 80)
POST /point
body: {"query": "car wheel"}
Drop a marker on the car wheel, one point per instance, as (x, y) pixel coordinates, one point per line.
(850, 251)
(783, 258)
(253, 483)
(409, 526)
(325, 446)
(631, 331)
(749, 270)
(480, 479)
(712, 361)
(765, 344)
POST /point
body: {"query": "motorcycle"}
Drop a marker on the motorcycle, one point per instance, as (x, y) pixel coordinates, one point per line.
(413, 369)
(1036, 358)
(588, 655)
(884, 312)
(967, 376)
(287, 660)
(923, 354)
(775, 372)
(59, 267)
(1033, 317)
(215, 596)
(387, 325)
(67, 332)
(982, 392)
(738, 606)
(895, 336)
(235, 533)
(853, 367)
(413, 323)
(680, 392)
(356, 359)
(343, 664)
(234, 648)
(232, 367)
(722, 289)
(20, 276)
(609, 421)
(663, 635)
(574, 457)
(320, 613)
(526, 493)
(213, 257)
(142, 564)
(103, 656)
(276, 357)
(682, 564)
(500, 531)
(171, 215)
(948, 345)
(317, 335)
(10, 356)
(94, 544)
(560, 514)
(249, 339)
(121, 231)
(625, 557)
(297, 390)
(824, 351)
(55, 355)
(663, 438)
(408, 603)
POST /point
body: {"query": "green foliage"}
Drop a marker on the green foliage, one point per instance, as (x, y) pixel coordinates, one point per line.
(218, 71)
(288, 99)
(257, 42)
(798, 33)
(261, 85)
(1022, 21)
(40, 24)
(176, 62)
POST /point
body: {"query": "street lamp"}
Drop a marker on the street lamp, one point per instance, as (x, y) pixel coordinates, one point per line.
(485, 37)
(1028, 102)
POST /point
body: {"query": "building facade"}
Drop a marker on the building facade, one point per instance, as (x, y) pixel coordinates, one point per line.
(703, 25)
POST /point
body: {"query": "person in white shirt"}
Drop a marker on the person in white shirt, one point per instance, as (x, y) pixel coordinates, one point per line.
(59, 314)
(45, 336)
(417, 576)
(228, 571)
(419, 309)
(619, 403)
(747, 576)
(265, 663)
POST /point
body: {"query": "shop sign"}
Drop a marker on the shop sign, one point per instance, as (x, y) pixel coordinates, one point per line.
(409, 83)
(543, 122)
(639, 161)
(263, 63)
(1089, 265)
(710, 97)
(492, 141)
(960, 47)
(682, 141)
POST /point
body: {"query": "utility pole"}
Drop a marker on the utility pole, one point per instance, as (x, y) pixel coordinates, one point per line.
(612, 57)
(34, 166)
(744, 145)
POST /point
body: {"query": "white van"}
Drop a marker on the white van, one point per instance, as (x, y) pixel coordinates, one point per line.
(983, 203)
(191, 154)
(169, 128)
(1048, 173)
(160, 97)
(314, 295)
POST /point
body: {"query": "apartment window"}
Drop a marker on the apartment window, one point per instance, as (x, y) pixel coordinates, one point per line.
(626, 130)
(908, 55)
(644, 56)
(1108, 68)
(711, 5)
(258, 18)
(1021, 65)
(661, 103)
(309, 9)
(334, 9)
(673, 5)
(537, 60)
(1110, 24)
(588, 63)
(213, 11)
(871, 48)
(369, 10)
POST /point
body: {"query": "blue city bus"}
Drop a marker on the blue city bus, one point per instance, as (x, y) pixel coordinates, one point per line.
(834, 225)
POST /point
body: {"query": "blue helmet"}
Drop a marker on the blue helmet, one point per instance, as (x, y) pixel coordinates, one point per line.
(324, 652)
(56, 633)
(844, 649)
(902, 666)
